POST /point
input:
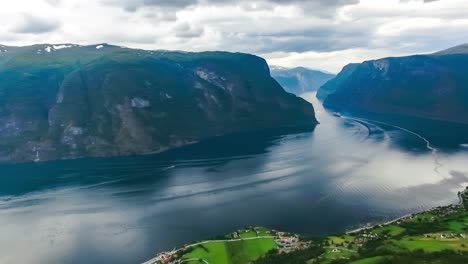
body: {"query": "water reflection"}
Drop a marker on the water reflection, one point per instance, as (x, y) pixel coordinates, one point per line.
(122, 210)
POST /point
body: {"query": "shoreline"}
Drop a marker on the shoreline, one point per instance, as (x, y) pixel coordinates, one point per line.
(301, 127)
(283, 241)
(169, 255)
(357, 230)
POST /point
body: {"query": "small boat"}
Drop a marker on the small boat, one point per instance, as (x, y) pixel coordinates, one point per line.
(336, 114)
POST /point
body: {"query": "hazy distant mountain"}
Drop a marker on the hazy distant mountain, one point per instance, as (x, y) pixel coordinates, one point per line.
(65, 101)
(300, 80)
(433, 86)
(460, 49)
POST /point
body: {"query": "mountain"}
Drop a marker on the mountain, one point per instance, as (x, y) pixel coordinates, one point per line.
(67, 101)
(460, 49)
(331, 86)
(433, 86)
(300, 80)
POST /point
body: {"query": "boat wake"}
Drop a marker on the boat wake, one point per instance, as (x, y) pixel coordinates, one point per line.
(429, 146)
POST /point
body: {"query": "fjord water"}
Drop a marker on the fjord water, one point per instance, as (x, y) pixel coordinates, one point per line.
(345, 173)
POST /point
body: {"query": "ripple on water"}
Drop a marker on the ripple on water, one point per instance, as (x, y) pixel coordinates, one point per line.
(122, 210)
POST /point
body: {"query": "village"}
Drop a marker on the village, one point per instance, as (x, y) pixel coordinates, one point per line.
(438, 225)
(285, 243)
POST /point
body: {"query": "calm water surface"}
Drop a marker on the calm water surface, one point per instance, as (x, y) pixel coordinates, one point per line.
(346, 173)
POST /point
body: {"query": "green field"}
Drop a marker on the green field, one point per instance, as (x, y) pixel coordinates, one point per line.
(232, 252)
(390, 230)
(262, 231)
(248, 233)
(338, 240)
(329, 256)
(372, 260)
(432, 245)
(427, 237)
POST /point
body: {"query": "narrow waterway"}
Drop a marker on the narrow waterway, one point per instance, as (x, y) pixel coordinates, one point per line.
(347, 172)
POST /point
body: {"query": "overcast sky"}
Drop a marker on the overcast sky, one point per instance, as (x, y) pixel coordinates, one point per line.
(321, 34)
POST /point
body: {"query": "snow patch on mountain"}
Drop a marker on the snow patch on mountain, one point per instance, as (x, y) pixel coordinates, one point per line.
(59, 47)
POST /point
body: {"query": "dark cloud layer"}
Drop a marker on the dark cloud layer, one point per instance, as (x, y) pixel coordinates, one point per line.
(30, 24)
(322, 38)
(315, 33)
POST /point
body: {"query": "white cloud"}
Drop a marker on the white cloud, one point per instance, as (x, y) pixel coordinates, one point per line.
(315, 33)
(329, 61)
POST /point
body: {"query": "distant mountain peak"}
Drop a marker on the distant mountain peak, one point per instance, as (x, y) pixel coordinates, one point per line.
(299, 68)
(460, 49)
(300, 80)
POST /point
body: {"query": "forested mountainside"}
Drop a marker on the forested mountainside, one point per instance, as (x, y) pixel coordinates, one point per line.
(433, 86)
(68, 101)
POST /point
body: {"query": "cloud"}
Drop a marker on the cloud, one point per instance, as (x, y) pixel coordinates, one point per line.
(325, 34)
(54, 2)
(134, 5)
(185, 30)
(30, 24)
(324, 6)
(424, 1)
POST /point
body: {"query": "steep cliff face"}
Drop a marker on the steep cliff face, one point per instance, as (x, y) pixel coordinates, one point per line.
(430, 86)
(331, 86)
(300, 80)
(67, 101)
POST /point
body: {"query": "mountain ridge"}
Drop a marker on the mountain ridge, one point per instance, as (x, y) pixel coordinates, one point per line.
(459, 49)
(299, 80)
(433, 86)
(59, 101)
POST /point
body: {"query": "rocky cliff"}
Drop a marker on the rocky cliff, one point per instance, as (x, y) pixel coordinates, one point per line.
(433, 86)
(68, 101)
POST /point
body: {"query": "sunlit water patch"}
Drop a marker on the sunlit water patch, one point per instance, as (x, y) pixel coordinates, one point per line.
(345, 173)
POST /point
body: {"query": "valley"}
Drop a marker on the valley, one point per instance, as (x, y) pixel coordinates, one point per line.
(234, 132)
(300, 80)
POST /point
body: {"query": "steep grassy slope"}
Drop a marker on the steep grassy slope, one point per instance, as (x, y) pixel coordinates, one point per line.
(67, 101)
